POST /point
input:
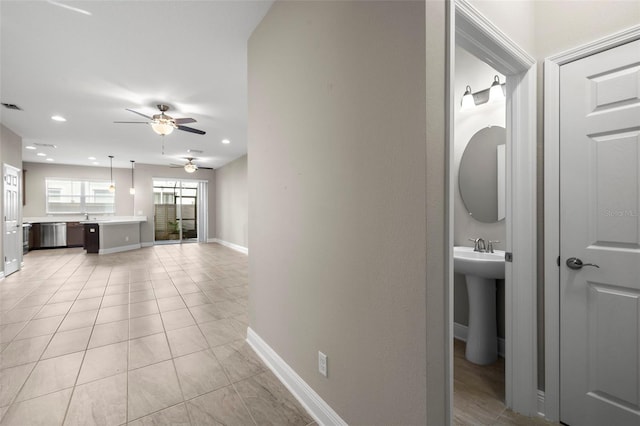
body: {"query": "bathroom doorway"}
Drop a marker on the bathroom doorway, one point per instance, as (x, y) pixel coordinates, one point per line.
(479, 188)
(484, 42)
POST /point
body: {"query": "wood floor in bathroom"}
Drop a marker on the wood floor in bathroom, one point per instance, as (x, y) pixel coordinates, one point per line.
(478, 394)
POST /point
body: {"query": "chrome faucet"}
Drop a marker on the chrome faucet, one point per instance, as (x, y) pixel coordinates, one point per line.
(478, 245)
(490, 245)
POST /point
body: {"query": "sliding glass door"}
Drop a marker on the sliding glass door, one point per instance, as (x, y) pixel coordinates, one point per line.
(177, 209)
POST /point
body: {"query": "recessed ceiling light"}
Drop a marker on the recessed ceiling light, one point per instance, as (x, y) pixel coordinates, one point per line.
(30, 147)
(50, 159)
(58, 118)
(41, 154)
(96, 163)
(92, 158)
(226, 141)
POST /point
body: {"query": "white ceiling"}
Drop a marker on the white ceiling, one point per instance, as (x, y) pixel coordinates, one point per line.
(191, 55)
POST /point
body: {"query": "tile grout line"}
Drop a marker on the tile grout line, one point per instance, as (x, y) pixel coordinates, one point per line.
(84, 355)
(36, 362)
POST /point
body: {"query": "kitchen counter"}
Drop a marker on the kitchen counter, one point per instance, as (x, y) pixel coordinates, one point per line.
(123, 232)
(83, 219)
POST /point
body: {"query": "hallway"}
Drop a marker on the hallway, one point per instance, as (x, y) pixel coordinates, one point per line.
(152, 336)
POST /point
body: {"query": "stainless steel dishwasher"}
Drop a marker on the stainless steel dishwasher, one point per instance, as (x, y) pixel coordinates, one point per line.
(53, 234)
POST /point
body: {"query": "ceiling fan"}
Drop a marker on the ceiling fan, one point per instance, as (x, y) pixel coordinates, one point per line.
(190, 167)
(164, 124)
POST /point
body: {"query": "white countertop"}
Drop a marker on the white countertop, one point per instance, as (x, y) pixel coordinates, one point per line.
(117, 221)
(107, 220)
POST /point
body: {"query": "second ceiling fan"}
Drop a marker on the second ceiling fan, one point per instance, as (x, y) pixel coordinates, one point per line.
(164, 124)
(190, 167)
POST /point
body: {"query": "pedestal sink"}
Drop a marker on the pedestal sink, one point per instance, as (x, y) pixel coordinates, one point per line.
(481, 271)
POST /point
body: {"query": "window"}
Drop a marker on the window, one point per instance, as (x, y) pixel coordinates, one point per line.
(79, 196)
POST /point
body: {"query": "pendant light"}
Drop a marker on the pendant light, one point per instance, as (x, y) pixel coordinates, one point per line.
(112, 187)
(495, 92)
(467, 100)
(132, 190)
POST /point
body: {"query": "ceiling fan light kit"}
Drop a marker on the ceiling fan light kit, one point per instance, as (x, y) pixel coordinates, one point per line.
(190, 167)
(162, 127)
(164, 124)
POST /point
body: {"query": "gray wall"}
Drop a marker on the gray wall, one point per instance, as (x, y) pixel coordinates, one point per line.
(126, 204)
(11, 154)
(472, 71)
(544, 28)
(36, 190)
(232, 204)
(337, 171)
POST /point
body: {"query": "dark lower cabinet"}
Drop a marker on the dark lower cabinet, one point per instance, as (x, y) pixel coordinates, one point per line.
(34, 236)
(91, 237)
(75, 234)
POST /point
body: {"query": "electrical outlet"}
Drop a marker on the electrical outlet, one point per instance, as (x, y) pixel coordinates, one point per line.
(322, 364)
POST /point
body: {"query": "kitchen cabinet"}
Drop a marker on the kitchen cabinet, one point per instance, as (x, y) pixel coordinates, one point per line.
(92, 237)
(75, 234)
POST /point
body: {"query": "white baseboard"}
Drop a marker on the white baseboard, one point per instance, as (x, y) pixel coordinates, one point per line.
(460, 332)
(540, 403)
(1, 275)
(119, 249)
(310, 400)
(146, 244)
(233, 246)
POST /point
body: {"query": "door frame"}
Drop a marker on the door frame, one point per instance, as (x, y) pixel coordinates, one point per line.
(202, 210)
(482, 38)
(552, 66)
(5, 242)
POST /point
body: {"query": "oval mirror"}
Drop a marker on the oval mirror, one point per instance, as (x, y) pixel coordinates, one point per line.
(482, 174)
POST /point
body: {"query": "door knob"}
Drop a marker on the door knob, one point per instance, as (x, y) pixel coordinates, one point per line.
(575, 263)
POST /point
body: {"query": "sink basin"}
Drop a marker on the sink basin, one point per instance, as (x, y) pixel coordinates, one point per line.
(481, 271)
(483, 265)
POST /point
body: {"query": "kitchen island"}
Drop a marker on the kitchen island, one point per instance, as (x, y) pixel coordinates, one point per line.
(102, 234)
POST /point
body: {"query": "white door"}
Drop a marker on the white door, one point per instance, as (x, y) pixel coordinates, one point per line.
(12, 226)
(600, 224)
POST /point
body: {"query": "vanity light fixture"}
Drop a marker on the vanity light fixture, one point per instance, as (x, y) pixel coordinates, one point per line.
(494, 93)
(30, 147)
(226, 141)
(132, 190)
(112, 187)
(58, 118)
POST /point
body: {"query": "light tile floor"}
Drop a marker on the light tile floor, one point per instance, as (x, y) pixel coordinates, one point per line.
(151, 336)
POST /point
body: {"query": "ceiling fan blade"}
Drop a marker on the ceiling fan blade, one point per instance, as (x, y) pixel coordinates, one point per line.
(139, 113)
(206, 168)
(191, 129)
(184, 120)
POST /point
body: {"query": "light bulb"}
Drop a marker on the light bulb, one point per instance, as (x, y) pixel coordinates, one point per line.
(132, 191)
(495, 93)
(112, 188)
(467, 100)
(190, 168)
